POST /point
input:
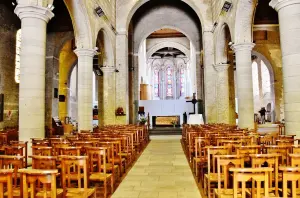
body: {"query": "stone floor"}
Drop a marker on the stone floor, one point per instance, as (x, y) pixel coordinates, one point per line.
(161, 171)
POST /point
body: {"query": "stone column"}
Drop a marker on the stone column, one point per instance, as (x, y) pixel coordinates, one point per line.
(108, 107)
(289, 17)
(244, 84)
(34, 21)
(122, 92)
(85, 88)
(209, 78)
(223, 93)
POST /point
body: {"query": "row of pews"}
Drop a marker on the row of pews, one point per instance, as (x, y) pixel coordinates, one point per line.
(229, 162)
(86, 164)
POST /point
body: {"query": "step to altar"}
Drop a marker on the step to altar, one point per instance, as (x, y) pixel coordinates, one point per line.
(165, 131)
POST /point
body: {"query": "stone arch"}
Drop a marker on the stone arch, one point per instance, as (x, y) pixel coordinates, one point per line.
(138, 4)
(272, 77)
(66, 37)
(267, 63)
(244, 20)
(190, 28)
(81, 23)
(221, 47)
(106, 52)
(168, 44)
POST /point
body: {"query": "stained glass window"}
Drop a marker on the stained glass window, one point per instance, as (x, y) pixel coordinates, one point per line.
(17, 61)
(169, 82)
(156, 83)
(182, 82)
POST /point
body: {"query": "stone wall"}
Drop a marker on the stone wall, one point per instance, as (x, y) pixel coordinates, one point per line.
(9, 24)
(55, 42)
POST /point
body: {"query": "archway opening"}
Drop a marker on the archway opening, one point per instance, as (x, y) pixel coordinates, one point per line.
(164, 58)
(263, 86)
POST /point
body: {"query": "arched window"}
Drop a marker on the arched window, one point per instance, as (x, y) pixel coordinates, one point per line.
(169, 82)
(17, 61)
(182, 82)
(156, 82)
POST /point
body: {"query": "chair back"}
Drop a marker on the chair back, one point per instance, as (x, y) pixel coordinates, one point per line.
(12, 162)
(271, 161)
(46, 178)
(44, 162)
(257, 175)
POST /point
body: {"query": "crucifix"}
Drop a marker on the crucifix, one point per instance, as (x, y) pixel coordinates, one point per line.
(194, 101)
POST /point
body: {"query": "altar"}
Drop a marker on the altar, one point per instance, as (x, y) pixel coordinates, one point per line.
(166, 110)
(160, 121)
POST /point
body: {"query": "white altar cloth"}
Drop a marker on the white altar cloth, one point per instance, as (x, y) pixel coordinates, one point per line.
(195, 119)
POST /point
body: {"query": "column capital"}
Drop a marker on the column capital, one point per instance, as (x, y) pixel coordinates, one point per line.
(221, 67)
(278, 4)
(86, 52)
(32, 11)
(242, 47)
(108, 69)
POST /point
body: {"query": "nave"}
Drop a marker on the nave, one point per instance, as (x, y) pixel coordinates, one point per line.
(161, 171)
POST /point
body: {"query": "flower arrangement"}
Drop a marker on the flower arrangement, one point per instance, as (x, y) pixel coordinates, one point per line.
(143, 120)
(174, 122)
(120, 111)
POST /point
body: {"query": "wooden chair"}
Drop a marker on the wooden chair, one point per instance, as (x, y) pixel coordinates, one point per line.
(23, 144)
(97, 159)
(282, 150)
(18, 151)
(72, 151)
(74, 168)
(110, 165)
(247, 150)
(42, 150)
(258, 160)
(296, 149)
(6, 178)
(46, 180)
(225, 162)
(44, 162)
(257, 175)
(212, 175)
(291, 174)
(15, 163)
(200, 156)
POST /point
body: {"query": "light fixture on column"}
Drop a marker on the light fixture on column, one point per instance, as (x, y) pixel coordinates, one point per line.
(51, 7)
(214, 27)
(226, 7)
(99, 11)
(97, 70)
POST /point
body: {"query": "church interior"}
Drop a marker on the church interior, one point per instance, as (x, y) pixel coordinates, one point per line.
(150, 98)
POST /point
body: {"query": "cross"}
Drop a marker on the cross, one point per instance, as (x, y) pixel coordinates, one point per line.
(194, 101)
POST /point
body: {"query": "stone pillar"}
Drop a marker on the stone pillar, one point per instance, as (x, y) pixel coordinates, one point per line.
(244, 84)
(223, 93)
(209, 78)
(34, 21)
(136, 88)
(289, 17)
(122, 92)
(85, 88)
(199, 76)
(108, 107)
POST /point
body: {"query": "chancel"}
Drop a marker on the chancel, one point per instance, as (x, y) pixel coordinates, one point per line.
(149, 98)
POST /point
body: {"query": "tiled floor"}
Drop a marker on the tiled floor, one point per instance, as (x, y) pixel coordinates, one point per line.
(161, 171)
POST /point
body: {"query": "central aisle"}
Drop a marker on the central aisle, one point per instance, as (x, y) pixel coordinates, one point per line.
(161, 171)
